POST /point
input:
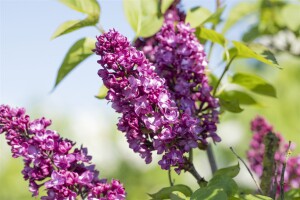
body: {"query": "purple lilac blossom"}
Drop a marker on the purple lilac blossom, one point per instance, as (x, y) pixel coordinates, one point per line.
(150, 117)
(50, 162)
(149, 45)
(260, 128)
(181, 60)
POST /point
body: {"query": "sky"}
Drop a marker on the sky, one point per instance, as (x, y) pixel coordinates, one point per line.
(29, 60)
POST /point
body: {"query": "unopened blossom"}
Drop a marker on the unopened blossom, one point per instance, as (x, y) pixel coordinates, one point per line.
(50, 162)
(255, 155)
(181, 60)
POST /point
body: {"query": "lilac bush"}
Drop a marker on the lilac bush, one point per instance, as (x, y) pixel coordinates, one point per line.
(50, 162)
(158, 83)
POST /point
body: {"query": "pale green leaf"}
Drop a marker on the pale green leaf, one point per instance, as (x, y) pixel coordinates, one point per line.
(225, 183)
(143, 16)
(177, 196)
(73, 25)
(209, 34)
(256, 51)
(215, 18)
(150, 26)
(197, 16)
(165, 4)
(254, 197)
(209, 193)
(290, 15)
(237, 13)
(76, 54)
(102, 92)
(231, 171)
(292, 194)
(254, 83)
(165, 193)
(90, 7)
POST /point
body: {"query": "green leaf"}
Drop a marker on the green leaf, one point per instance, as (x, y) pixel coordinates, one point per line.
(292, 194)
(197, 16)
(256, 51)
(215, 18)
(225, 183)
(209, 193)
(231, 105)
(254, 83)
(251, 34)
(165, 193)
(254, 197)
(102, 92)
(242, 97)
(231, 171)
(232, 53)
(143, 16)
(177, 196)
(165, 4)
(213, 80)
(212, 35)
(76, 54)
(73, 25)
(89, 7)
(239, 11)
(290, 15)
(234, 198)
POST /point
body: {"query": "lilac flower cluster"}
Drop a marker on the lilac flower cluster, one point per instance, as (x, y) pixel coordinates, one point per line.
(149, 45)
(181, 60)
(47, 155)
(260, 128)
(150, 115)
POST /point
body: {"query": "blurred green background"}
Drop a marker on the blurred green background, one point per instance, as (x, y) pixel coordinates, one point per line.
(92, 123)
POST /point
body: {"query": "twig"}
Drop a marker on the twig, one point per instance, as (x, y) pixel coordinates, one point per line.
(223, 73)
(170, 177)
(257, 185)
(191, 156)
(200, 180)
(211, 159)
(282, 173)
